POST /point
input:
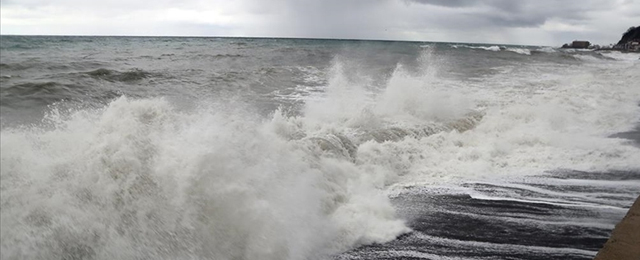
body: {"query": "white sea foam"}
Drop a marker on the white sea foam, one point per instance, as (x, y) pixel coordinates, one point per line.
(520, 51)
(523, 51)
(509, 247)
(547, 49)
(140, 178)
(491, 48)
(577, 50)
(589, 58)
(486, 48)
(633, 57)
(532, 124)
(510, 191)
(536, 118)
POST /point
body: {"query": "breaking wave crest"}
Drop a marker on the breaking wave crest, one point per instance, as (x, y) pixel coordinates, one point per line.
(139, 178)
(142, 178)
(524, 51)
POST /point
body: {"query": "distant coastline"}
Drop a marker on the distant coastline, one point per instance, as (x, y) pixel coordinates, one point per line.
(630, 42)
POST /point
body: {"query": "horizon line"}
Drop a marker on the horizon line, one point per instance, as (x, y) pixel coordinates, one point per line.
(259, 37)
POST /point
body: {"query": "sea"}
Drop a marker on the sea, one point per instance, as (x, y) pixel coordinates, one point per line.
(261, 148)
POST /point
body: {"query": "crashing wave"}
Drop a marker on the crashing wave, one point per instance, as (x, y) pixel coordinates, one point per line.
(341, 146)
(496, 48)
(520, 51)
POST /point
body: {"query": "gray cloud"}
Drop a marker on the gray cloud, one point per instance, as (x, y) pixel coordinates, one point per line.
(527, 13)
(501, 21)
(447, 3)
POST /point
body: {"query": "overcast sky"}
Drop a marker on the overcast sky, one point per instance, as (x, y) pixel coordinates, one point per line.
(532, 22)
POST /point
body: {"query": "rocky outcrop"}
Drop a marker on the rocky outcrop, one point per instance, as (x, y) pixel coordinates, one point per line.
(632, 34)
(624, 242)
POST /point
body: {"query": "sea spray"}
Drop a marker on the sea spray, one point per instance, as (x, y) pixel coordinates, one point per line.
(139, 179)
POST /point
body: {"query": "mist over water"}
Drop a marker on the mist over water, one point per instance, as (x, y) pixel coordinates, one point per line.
(179, 148)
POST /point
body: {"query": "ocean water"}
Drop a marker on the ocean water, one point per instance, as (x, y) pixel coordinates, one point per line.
(240, 148)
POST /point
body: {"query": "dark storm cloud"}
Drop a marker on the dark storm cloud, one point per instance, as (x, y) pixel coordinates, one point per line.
(527, 13)
(447, 3)
(507, 5)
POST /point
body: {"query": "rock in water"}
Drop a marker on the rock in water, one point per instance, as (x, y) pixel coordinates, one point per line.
(624, 242)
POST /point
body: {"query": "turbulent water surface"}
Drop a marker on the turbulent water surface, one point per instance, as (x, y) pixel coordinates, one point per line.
(235, 148)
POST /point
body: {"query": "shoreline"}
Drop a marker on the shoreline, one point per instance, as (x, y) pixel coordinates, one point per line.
(624, 242)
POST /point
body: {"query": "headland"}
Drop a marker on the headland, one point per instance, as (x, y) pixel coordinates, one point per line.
(630, 42)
